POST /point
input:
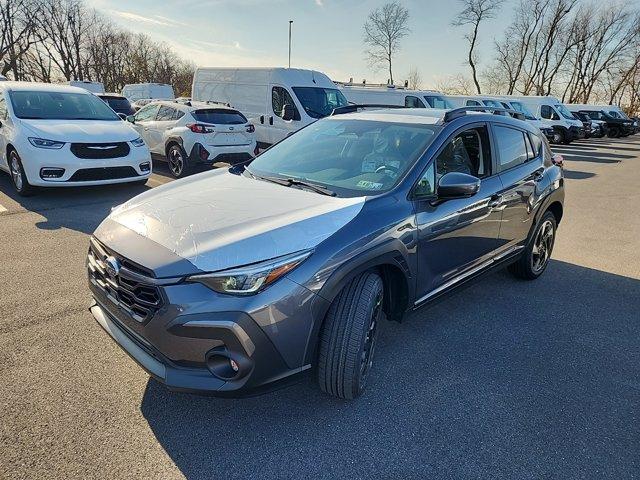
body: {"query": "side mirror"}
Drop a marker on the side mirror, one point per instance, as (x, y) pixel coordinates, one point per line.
(130, 119)
(557, 160)
(122, 116)
(288, 112)
(457, 185)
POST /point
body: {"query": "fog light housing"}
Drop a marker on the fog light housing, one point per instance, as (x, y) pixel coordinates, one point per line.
(228, 365)
(204, 154)
(145, 167)
(48, 173)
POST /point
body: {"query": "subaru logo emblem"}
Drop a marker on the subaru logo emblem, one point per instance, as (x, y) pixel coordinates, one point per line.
(112, 266)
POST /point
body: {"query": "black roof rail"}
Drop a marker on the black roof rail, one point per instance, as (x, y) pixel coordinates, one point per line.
(461, 112)
(354, 107)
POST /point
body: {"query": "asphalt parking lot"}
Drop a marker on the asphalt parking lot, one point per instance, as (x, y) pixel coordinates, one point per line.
(506, 379)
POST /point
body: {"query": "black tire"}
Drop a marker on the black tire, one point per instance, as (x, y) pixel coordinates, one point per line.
(531, 263)
(614, 132)
(558, 136)
(177, 161)
(348, 337)
(18, 177)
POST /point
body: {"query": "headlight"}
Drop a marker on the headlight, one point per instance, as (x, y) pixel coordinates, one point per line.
(252, 278)
(138, 142)
(44, 143)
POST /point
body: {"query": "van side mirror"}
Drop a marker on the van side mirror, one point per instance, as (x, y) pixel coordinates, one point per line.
(130, 119)
(457, 185)
(288, 112)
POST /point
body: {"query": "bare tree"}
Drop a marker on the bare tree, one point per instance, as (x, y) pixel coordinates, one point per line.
(457, 84)
(474, 12)
(16, 34)
(414, 79)
(383, 30)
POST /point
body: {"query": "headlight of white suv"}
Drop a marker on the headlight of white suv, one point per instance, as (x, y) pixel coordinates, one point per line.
(253, 278)
(44, 143)
(138, 142)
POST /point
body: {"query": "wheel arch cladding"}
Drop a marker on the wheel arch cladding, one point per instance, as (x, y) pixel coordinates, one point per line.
(172, 141)
(557, 210)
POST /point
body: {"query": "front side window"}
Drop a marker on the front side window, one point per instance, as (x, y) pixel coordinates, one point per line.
(147, 113)
(319, 102)
(427, 184)
(473, 103)
(281, 97)
(467, 152)
(165, 114)
(352, 157)
(60, 106)
(547, 112)
(520, 107)
(511, 147)
(493, 103)
(438, 101)
(413, 102)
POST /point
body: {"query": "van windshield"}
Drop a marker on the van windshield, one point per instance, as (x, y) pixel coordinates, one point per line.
(564, 111)
(319, 102)
(492, 103)
(351, 157)
(438, 101)
(60, 106)
(519, 107)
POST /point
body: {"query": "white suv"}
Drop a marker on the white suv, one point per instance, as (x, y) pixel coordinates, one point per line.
(186, 134)
(60, 136)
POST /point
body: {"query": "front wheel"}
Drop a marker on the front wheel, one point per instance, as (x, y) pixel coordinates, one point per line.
(558, 137)
(18, 177)
(536, 255)
(348, 337)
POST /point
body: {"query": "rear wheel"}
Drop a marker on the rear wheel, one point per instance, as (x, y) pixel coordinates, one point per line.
(535, 258)
(18, 177)
(177, 161)
(348, 337)
(614, 132)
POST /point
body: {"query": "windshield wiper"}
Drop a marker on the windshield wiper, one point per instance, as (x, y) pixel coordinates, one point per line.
(311, 110)
(291, 182)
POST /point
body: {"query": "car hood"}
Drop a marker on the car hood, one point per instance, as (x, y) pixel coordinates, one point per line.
(218, 220)
(81, 131)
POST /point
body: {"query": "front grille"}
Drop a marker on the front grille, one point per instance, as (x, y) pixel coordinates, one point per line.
(100, 150)
(232, 157)
(102, 173)
(130, 288)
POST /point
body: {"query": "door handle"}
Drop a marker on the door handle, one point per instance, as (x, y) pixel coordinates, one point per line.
(262, 119)
(495, 201)
(270, 120)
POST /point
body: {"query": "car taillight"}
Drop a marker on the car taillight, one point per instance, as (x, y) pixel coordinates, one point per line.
(251, 128)
(198, 128)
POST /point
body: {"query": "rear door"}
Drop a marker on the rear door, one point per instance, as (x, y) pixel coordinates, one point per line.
(521, 170)
(165, 120)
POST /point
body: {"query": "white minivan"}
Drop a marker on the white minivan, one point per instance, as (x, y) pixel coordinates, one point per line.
(362, 94)
(93, 87)
(278, 101)
(555, 114)
(138, 91)
(62, 136)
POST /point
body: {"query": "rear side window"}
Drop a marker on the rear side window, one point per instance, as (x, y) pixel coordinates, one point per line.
(536, 141)
(220, 116)
(166, 114)
(413, 102)
(511, 147)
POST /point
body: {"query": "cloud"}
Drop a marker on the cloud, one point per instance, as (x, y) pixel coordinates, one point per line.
(320, 3)
(154, 20)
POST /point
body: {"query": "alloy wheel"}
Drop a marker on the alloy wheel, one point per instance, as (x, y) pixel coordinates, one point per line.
(366, 358)
(176, 161)
(16, 171)
(542, 246)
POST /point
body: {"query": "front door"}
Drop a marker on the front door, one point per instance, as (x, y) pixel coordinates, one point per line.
(144, 120)
(278, 127)
(459, 236)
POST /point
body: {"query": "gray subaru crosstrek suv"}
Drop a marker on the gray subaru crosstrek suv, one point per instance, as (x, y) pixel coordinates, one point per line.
(236, 280)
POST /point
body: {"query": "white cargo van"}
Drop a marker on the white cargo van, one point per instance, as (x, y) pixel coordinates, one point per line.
(278, 101)
(93, 87)
(518, 106)
(363, 94)
(138, 91)
(555, 114)
(459, 101)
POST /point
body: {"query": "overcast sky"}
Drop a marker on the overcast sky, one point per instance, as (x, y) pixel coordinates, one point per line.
(327, 34)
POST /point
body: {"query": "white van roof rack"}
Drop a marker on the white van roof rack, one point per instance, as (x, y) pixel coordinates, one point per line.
(355, 107)
(461, 112)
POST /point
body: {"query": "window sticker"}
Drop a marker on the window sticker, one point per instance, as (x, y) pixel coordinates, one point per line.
(369, 185)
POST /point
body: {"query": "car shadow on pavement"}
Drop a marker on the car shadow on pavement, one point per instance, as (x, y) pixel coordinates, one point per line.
(580, 155)
(577, 175)
(77, 208)
(508, 379)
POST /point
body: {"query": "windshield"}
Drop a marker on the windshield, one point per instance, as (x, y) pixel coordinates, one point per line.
(564, 111)
(520, 107)
(60, 106)
(319, 102)
(351, 157)
(492, 103)
(438, 101)
(616, 114)
(221, 116)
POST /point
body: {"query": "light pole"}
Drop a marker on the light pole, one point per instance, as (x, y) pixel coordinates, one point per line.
(290, 23)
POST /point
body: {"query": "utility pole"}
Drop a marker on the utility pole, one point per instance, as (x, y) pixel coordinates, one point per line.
(290, 23)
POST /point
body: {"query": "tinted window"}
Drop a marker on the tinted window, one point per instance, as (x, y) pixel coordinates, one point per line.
(511, 146)
(147, 113)
(426, 185)
(319, 102)
(60, 106)
(537, 144)
(549, 113)
(472, 103)
(220, 116)
(352, 157)
(413, 102)
(118, 104)
(281, 97)
(467, 152)
(165, 114)
(178, 115)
